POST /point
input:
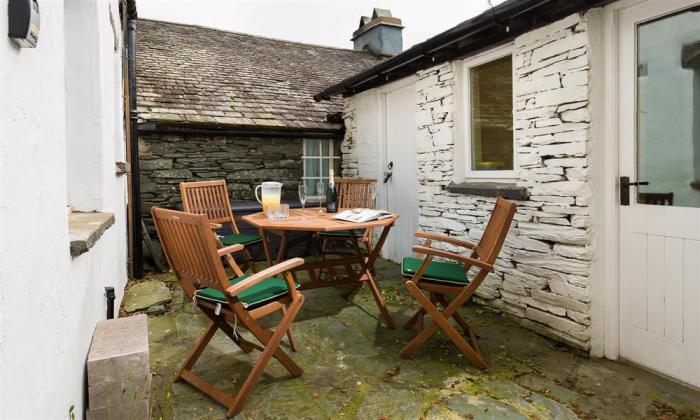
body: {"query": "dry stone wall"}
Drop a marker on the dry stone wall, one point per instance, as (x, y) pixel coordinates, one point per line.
(168, 159)
(542, 276)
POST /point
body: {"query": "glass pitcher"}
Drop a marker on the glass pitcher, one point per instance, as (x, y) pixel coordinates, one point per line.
(271, 194)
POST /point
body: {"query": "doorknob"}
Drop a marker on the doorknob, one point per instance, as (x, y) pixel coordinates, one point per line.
(388, 173)
(625, 185)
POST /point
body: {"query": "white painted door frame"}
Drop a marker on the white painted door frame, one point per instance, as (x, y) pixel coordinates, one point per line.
(606, 273)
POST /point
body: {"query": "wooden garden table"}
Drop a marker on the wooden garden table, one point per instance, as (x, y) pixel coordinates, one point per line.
(310, 220)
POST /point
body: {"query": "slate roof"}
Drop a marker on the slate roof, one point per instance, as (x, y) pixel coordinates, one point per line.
(197, 75)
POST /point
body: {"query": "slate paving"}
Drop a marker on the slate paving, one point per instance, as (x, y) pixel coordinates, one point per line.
(352, 369)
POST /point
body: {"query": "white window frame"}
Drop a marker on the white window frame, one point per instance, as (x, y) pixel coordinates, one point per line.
(331, 157)
(466, 115)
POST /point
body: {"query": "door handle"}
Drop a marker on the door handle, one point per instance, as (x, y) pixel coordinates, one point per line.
(389, 172)
(625, 185)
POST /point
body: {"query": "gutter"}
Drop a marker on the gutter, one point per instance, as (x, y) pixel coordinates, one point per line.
(240, 130)
(498, 24)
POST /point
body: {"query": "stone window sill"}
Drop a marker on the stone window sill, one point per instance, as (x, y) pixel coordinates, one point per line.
(490, 189)
(85, 229)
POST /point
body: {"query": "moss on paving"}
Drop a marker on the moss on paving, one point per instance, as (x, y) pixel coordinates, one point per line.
(352, 369)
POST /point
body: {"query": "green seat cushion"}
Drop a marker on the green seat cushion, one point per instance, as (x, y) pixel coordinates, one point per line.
(239, 238)
(263, 292)
(437, 272)
(344, 233)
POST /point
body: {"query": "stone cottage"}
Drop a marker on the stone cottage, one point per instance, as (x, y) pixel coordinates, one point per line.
(587, 113)
(214, 104)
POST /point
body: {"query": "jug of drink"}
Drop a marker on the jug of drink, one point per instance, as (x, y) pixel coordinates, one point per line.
(271, 194)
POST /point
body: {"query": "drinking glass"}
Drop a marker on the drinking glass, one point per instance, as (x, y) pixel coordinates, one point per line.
(321, 192)
(373, 195)
(302, 199)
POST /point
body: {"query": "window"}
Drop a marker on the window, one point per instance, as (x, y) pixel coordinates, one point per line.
(488, 87)
(318, 157)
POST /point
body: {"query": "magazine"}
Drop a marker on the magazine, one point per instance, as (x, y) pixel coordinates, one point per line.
(362, 215)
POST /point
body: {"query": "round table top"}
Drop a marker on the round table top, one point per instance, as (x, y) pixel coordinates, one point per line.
(311, 220)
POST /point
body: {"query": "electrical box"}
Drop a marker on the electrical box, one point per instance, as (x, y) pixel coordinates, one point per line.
(24, 22)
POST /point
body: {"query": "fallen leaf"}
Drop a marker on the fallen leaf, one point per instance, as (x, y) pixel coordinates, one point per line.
(314, 394)
(394, 371)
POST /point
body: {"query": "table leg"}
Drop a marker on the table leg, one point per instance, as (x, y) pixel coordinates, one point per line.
(365, 273)
(266, 247)
(282, 251)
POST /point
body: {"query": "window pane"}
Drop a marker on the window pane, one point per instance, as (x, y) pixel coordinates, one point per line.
(492, 115)
(668, 110)
(311, 167)
(325, 144)
(312, 147)
(324, 167)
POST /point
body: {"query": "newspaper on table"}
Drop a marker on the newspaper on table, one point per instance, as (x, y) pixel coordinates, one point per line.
(362, 215)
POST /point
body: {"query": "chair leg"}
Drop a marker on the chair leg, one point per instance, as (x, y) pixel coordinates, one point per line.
(414, 319)
(202, 342)
(290, 334)
(271, 343)
(439, 321)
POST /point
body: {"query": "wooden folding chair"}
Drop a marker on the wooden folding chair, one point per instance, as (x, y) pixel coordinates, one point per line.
(211, 198)
(441, 278)
(192, 252)
(352, 193)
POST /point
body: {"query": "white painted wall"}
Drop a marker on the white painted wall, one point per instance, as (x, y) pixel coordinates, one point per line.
(50, 303)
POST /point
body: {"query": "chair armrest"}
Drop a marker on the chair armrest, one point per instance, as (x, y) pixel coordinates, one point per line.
(215, 226)
(452, 256)
(444, 238)
(264, 275)
(230, 249)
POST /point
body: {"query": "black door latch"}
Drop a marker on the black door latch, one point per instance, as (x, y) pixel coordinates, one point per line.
(389, 172)
(625, 185)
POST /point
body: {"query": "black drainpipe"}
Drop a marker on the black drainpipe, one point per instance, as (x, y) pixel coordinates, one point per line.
(137, 233)
(109, 294)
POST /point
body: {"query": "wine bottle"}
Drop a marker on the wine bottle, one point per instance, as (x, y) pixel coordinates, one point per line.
(331, 195)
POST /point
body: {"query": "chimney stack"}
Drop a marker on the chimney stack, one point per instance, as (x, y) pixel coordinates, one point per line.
(380, 34)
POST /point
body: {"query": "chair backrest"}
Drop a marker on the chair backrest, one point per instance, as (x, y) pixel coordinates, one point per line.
(209, 198)
(355, 192)
(190, 248)
(496, 231)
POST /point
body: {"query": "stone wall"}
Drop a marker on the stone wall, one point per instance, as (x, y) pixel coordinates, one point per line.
(542, 276)
(167, 159)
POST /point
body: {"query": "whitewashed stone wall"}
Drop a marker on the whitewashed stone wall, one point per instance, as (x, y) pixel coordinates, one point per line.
(542, 276)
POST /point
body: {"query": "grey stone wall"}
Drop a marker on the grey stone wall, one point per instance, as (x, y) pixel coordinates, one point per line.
(167, 159)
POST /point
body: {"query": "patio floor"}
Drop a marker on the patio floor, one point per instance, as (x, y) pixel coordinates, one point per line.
(352, 369)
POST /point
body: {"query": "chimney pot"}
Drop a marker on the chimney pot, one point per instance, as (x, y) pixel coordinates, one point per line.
(380, 35)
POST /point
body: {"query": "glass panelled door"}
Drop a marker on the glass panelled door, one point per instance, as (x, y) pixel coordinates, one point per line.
(659, 137)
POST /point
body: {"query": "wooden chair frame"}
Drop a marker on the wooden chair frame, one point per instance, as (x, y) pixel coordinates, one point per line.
(211, 198)
(482, 257)
(192, 253)
(352, 193)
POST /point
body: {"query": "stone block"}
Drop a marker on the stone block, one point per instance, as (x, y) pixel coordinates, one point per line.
(561, 234)
(138, 411)
(562, 95)
(565, 325)
(561, 301)
(118, 370)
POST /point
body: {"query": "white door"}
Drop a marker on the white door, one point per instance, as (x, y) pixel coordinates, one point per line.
(401, 188)
(659, 132)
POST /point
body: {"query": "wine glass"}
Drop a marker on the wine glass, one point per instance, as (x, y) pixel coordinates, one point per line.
(321, 192)
(372, 189)
(302, 199)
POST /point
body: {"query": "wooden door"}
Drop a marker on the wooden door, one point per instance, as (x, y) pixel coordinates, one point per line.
(659, 123)
(401, 188)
